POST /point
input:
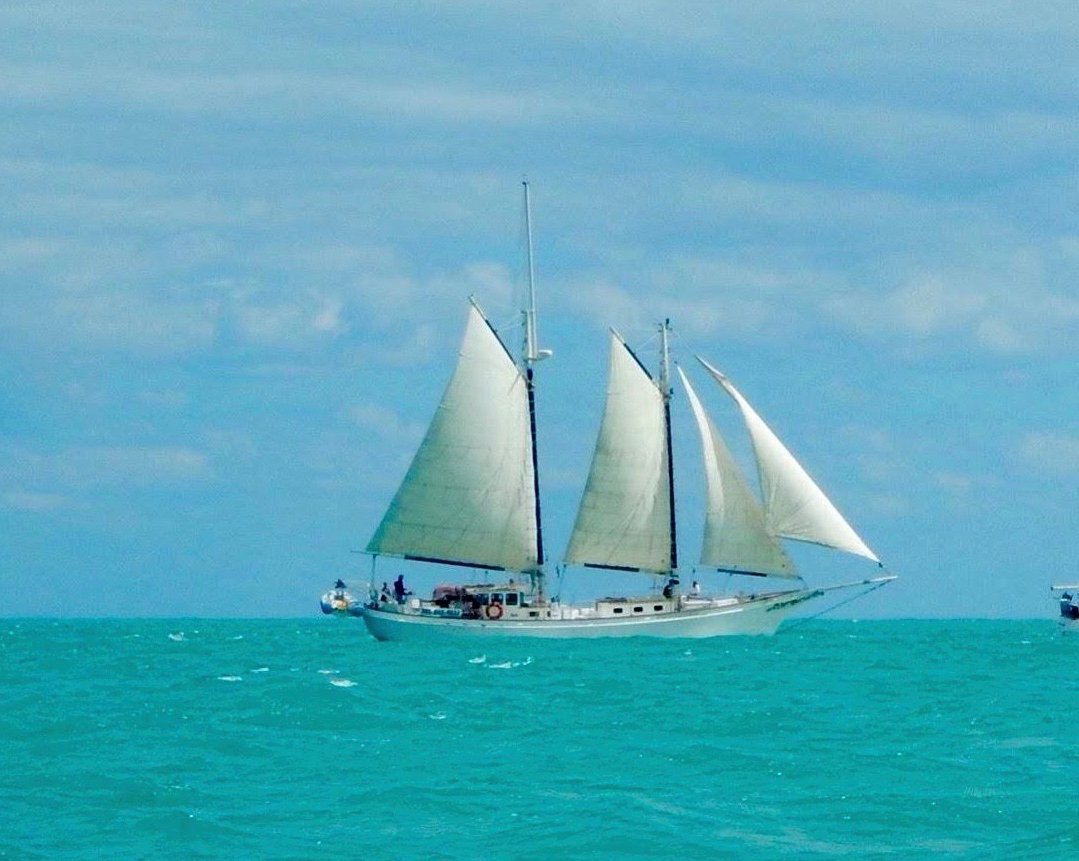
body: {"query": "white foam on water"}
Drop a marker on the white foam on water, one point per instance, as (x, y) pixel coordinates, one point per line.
(328, 672)
(179, 635)
(343, 683)
(479, 659)
(509, 665)
(230, 678)
(261, 670)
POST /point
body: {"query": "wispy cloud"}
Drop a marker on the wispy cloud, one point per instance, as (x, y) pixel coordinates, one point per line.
(30, 501)
(84, 468)
(386, 424)
(963, 491)
(1004, 309)
(1050, 452)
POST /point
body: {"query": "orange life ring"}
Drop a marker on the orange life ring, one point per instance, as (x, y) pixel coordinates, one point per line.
(494, 611)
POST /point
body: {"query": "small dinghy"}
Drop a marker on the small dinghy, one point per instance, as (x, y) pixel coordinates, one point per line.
(338, 601)
(1069, 606)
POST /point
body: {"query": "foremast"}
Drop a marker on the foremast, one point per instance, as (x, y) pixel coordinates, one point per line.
(470, 496)
(531, 355)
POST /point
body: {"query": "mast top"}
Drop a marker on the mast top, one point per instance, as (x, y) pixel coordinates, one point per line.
(532, 353)
(665, 359)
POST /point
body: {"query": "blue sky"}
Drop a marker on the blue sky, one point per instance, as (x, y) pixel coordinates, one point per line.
(238, 241)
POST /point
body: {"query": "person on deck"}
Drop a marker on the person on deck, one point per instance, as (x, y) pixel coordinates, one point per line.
(399, 590)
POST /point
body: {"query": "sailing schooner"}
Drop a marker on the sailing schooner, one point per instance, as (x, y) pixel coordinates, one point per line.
(471, 498)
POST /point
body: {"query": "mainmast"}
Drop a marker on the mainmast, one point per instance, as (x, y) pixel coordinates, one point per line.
(530, 357)
(665, 390)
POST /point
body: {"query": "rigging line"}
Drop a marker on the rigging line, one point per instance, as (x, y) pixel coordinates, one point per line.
(855, 597)
(515, 322)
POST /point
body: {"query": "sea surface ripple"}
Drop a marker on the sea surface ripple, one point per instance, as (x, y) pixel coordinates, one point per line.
(297, 739)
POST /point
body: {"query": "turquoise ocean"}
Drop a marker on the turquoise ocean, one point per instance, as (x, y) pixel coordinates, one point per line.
(306, 739)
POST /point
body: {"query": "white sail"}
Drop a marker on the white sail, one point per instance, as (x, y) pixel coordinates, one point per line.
(625, 518)
(469, 495)
(736, 537)
(794, 506)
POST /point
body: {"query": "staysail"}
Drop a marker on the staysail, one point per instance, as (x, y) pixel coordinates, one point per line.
(736, 537)
(625, 516)
(794, 506)
(469, 496)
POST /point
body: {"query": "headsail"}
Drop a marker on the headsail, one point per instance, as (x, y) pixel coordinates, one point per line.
(735, 535)
(794, 506)
(625, 519)
(469, 496)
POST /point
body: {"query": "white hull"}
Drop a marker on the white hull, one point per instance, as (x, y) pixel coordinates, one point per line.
(760, 616)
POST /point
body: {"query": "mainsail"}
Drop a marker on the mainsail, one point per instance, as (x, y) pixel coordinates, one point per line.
(625, 516)
(469, 496)
(794, 506)
(736, 537)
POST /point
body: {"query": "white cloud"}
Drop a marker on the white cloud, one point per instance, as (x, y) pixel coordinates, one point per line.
(295, 323)
(1050, 452)
(165, 399)
(144, 466)
(964, 491)
(22, 500)
(386, 424)
(1004, 309)
(929, 305)
(88, 467)
(328, 316)
(139, 320)
(888, 505)
(603, 300)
